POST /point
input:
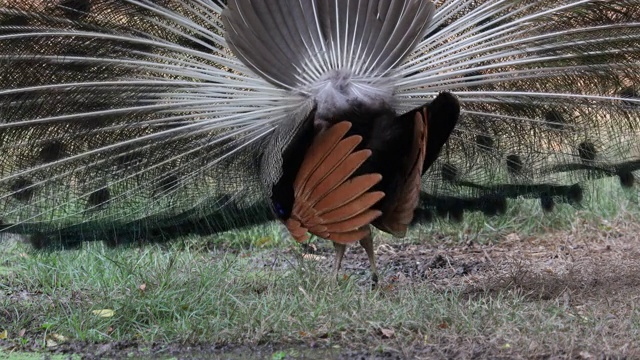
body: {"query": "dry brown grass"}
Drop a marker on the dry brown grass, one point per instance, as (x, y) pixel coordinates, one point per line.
(559, 294)
(579, 290)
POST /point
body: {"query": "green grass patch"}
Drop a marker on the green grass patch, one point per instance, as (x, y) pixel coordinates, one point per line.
(222, 290)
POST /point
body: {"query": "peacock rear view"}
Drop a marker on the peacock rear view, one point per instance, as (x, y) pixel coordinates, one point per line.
(137, 120)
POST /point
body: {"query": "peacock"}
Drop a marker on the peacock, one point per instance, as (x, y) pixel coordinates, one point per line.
(141, 120)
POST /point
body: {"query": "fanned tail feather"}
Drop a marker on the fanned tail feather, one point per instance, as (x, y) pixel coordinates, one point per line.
(336, 52)
(538, 82)
(138, 119)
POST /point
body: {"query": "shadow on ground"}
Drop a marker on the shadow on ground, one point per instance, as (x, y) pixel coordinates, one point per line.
(589, 273)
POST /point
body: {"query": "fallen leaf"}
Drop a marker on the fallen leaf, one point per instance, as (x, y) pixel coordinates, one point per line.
(51, 343)
(385, 249)
(142, 287)
(3, 335)
(309, 248)
(22, 332)
(264, 241)
(313, 257)
(443, 325)
(53, 340)
(513, 237)
(57, 337)
(506, 346)
(103, 313)
(586, 355)
(387, 333)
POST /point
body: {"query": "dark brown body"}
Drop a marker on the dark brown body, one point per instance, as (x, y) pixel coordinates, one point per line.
(360, 168)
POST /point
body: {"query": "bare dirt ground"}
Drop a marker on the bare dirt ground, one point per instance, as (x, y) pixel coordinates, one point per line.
(592, 270)
(590, 262)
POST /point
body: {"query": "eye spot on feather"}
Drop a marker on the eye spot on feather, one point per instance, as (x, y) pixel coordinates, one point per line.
(514, 165)
(587, 151)
(485, 142)
(75, 9)
(51, 151)
(554, 120)
(449, 173)
(99, 198)
(22, 189)
(167, 184)
(629, 93)
(627, 179)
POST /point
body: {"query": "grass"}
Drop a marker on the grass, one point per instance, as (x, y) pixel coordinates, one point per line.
(256, 289)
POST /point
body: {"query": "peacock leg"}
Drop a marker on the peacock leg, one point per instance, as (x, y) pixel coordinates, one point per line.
(340, 249)
(367, 244)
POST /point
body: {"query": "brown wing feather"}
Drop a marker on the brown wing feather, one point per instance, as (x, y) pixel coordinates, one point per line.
(361, 203)
(353, 223)
(297, 231)
(319, 150)
(349, 237)
(339, 154)
(323, 187)
(397, 218)
(339, 175)
(350, 199)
